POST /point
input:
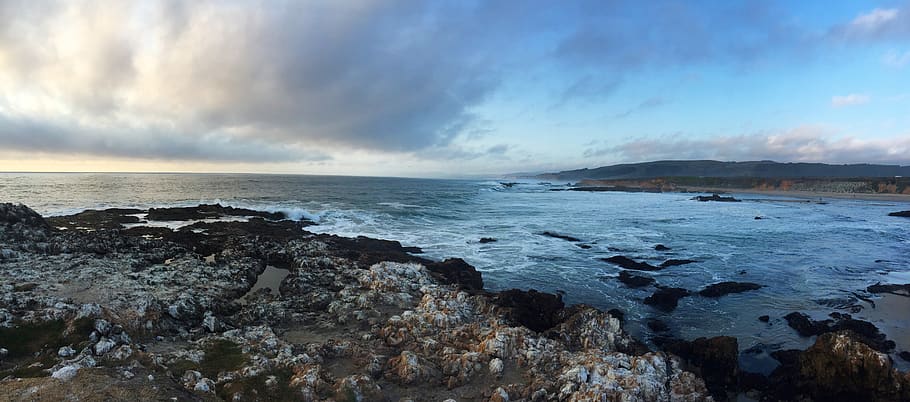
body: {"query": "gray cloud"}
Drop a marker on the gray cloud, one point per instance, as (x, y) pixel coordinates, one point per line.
(802, 144)
(38, 136)
(875, 25)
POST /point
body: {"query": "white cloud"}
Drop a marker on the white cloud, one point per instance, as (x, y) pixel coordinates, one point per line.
(850, 100)
(874, 19)
(896, 59)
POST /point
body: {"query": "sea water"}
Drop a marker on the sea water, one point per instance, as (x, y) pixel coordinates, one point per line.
(811, 257)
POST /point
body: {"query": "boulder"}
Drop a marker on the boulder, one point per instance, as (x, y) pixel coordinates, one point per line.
(666, 299)
(634, 281)
(903, 214)
(535, 310)
(457, 272)
(725, 288)
(628, 263)
(560, 236)
(716, 359)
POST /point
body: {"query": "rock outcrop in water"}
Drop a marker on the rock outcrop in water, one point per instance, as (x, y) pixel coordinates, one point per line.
(724, 288)
(903, 214)
(154, 314)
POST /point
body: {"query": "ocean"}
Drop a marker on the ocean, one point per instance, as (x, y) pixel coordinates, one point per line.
(810, 257)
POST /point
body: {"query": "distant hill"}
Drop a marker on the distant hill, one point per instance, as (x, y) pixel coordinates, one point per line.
(708, 168)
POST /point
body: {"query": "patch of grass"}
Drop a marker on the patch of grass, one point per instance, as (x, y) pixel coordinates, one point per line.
(30, 343)
(254, 388)
(220, 355)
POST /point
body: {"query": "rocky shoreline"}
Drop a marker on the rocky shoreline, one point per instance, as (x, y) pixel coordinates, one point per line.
(105, 305)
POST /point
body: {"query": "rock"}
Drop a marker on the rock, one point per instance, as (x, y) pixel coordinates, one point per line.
(102, 327)
(408, 368)
(204, 385)
(65, 373)
(458, 272)
(838, 367)
(896, 289)
(66, 351)
(560, 236)
(764, 318)
(714, 197)
(725, 288)
(904, 355)
(484, 240)
(358, 388)
(584, 246)
(7, 254)
(666, 299)
(661, 247)
(628, 263)
(634, 281)
(758, 218)
(103, 346)
(207, 211)
(716, 359)
(499, 395)
(535, 310)
(863, 331)
(210, 323)
(904, 214)
(121, 353)
(496, 367)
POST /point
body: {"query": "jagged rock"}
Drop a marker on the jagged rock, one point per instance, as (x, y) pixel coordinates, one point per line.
(716, 359)
(204, 385)
(838, 367)
(715, 198)
(560, 236)
(65, 373)
(628, 263)
(634, 281)
(675, 262)
(904, 214)
(66, 351)
(535, 310)
(864, 331)
(661, 247)
(359, 388)
(725, 288)
(666, 299)
(458, 272)
(408, 368)
(896, 289)
(484, 240)
(496, 367)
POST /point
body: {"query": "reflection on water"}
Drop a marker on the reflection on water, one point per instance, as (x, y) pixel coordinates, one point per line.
(269, 279)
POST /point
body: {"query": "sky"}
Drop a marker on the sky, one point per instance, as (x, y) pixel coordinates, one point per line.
(448, 88)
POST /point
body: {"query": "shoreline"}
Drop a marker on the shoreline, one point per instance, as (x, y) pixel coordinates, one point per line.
(369, 294)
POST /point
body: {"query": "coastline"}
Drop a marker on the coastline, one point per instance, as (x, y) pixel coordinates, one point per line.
(371, 302)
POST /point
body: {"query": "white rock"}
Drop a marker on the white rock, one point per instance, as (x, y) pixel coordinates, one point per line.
(122, 353)
(65, 373)
(66, 351)
(496, 367)
(102, 327)
(3, 352)
(128, 374)
(210, 322)
(103, 346)
(205, 385)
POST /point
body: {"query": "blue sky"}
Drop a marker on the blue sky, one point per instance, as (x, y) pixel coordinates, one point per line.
(425, 88)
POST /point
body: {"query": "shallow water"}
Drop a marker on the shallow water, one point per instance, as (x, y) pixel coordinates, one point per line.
(810, 257)
(269, 279)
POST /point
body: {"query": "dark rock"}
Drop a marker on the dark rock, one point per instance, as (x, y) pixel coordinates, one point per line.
(560, 236)
(839, 367)
(714, 197)
(535, 310)
(634, 281)
(617, 313)
(903, 214)
(584, 246)
(457, 271)
(628, 263)
(804, 325)
(22, 216)
(113, 218)
(758, 218)
(661, 247)
(725, 288)
(368, 251)
(207, 211)
(658, 325)
(673, 263)
(904, 355)
(900, 290)
(863, 331)
(716, 359)
(487, 240)
(666, 299)
(764, 318)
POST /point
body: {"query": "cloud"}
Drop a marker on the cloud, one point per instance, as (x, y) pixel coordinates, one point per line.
(896, 59)
(801, 144)
(876, 24)
(647, 104)
(386, 76)
(849, 100)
